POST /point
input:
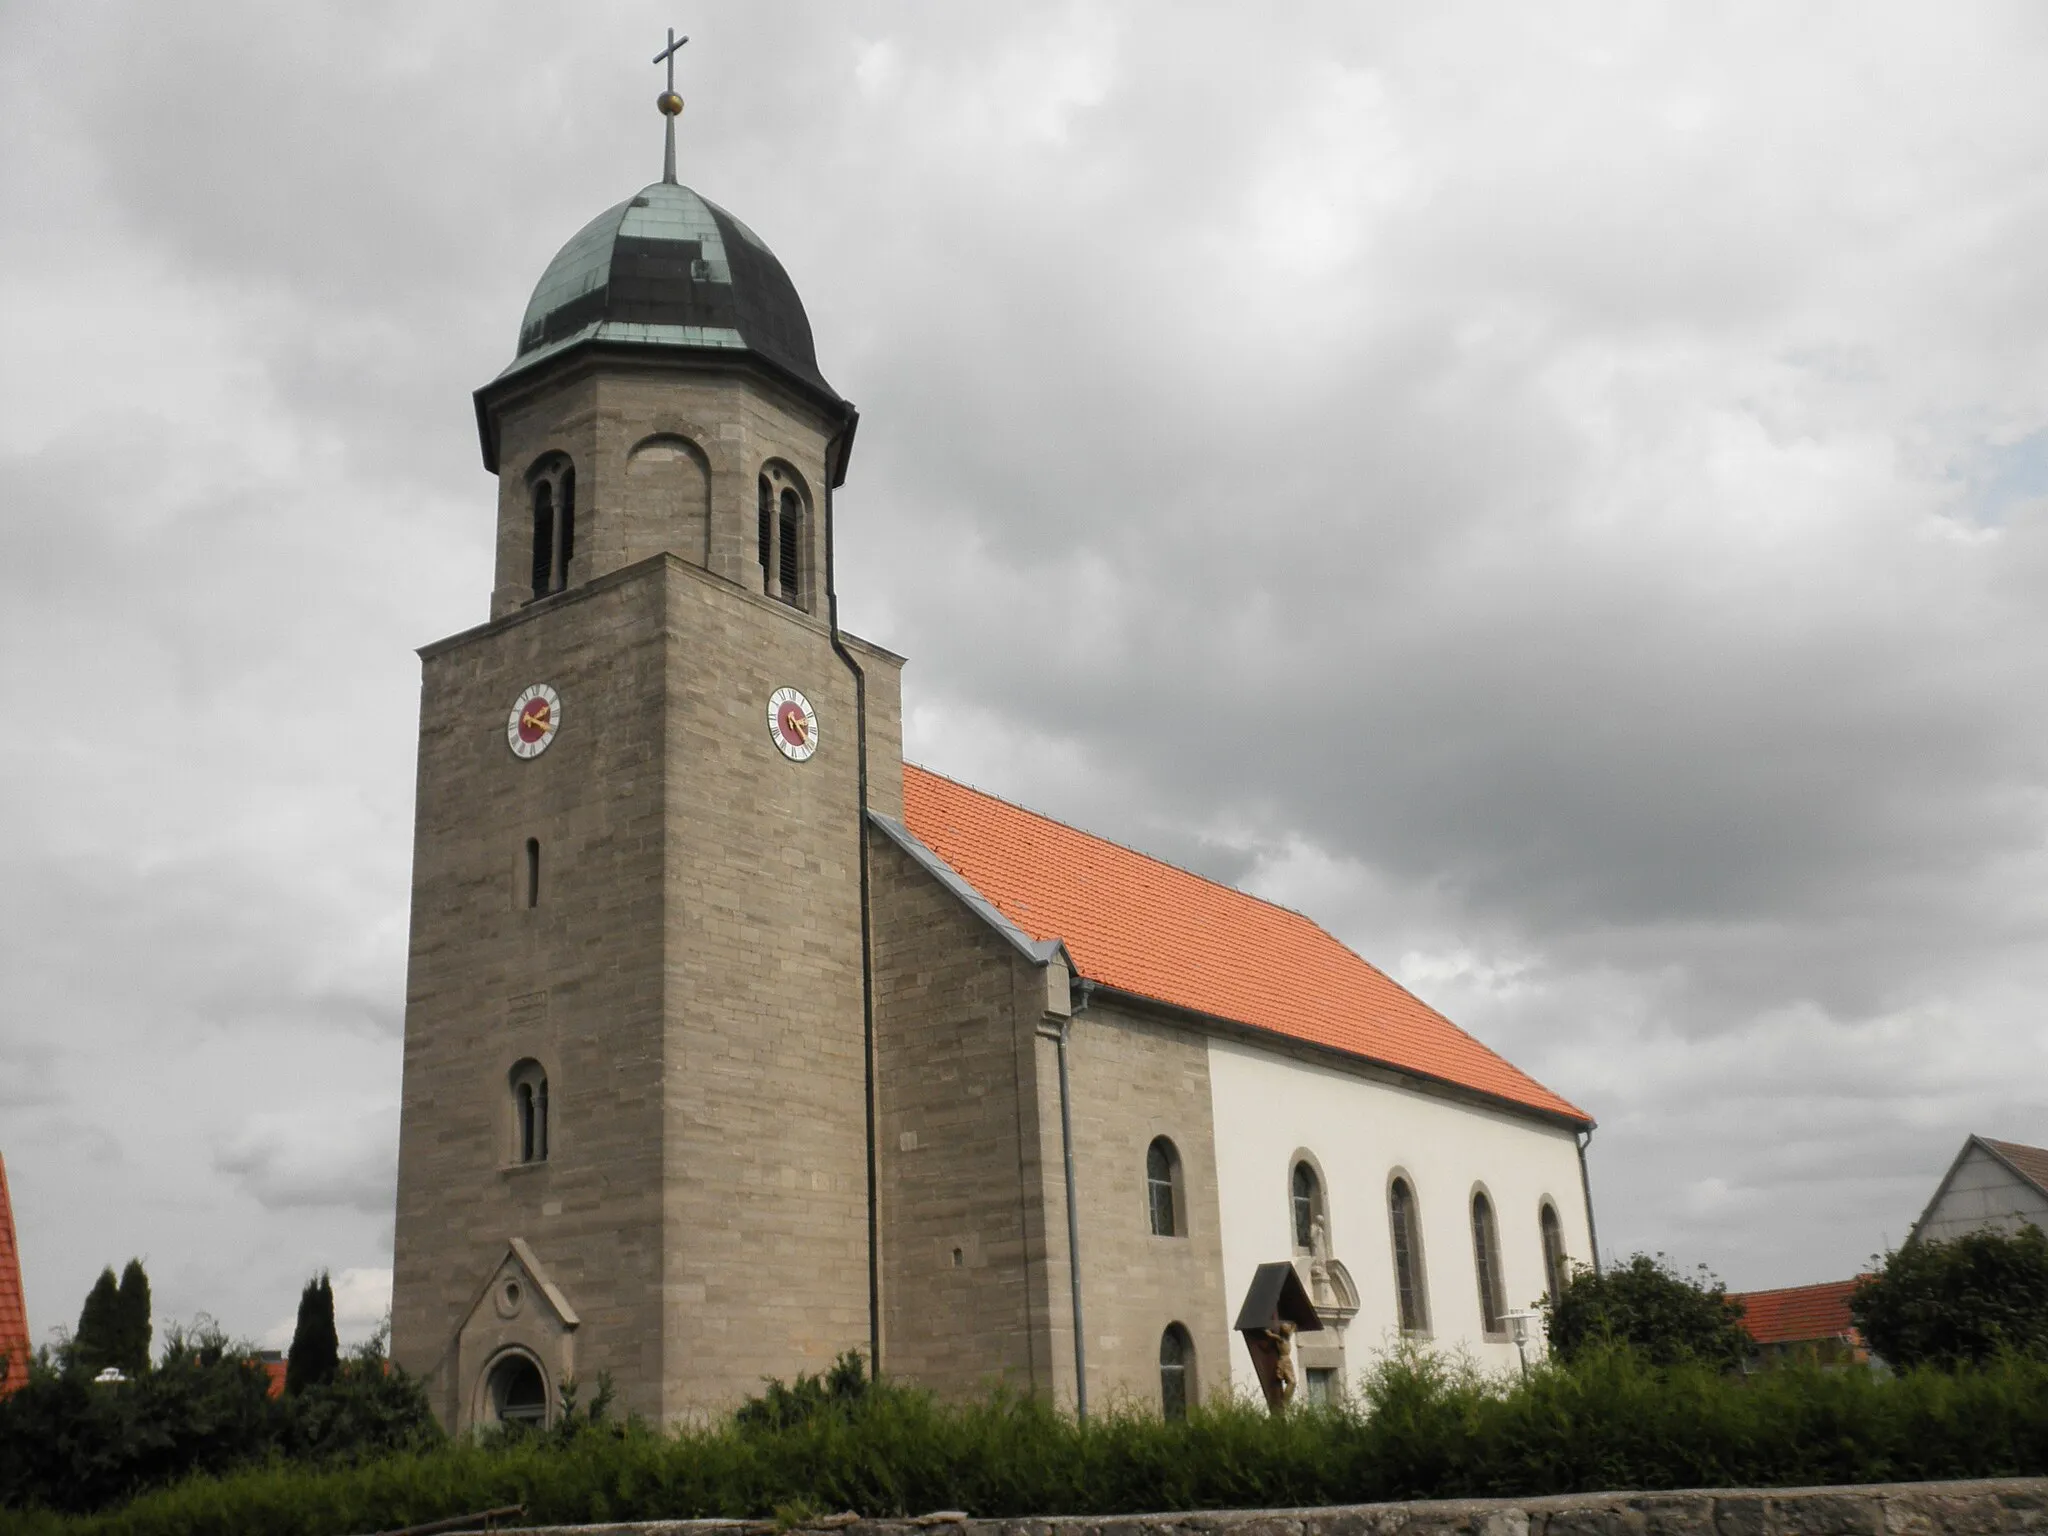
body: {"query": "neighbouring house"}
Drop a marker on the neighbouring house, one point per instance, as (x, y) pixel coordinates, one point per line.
(273, 1363)
(1803, 1322)
(1991, 1186)
(14, 1340)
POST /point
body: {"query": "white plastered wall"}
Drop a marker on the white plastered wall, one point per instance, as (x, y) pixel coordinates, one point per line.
(1981, 1194)
(1267, 1105)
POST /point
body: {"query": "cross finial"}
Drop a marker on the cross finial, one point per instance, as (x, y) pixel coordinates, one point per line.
(670, 103)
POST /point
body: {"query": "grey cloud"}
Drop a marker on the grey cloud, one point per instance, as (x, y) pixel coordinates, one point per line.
(1558, 499)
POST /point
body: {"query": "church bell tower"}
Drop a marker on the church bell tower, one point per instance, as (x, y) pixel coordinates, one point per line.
(635, 1136)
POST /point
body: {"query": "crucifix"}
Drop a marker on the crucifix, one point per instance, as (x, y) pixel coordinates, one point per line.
(670, 103)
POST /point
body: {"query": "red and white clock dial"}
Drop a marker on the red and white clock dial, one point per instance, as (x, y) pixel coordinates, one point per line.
(792, 724)
(535, 719)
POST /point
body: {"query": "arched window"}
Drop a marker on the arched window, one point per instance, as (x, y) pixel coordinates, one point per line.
(554, 523)
(529, 1113)
(1305, 1198)
(533, 871)
(516, 1392)
(1555, 1261)
(789, 540)
(767, 528)
(543, 537)
(1176, 1371)
(1162, 1187)
(1486, 1261)
(1410, 1294)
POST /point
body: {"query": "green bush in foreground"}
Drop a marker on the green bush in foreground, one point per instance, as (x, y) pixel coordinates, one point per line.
(1608, 1420)
(70, 1443)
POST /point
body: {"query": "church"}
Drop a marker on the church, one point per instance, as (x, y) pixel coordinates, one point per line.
(734, 1042)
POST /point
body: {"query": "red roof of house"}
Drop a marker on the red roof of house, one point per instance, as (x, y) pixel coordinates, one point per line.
(1798, 1314)
(1142, 926)
(14, 1339)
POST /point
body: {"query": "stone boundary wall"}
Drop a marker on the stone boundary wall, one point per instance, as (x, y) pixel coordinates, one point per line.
(1982, 1508)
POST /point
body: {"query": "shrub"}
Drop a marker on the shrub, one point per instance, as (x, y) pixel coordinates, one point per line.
(1419, 1429)
(131, 1331)
(1966, 1300)
(97, 1343)
(70, 1443)
(315, 1353)
(1648, 1305)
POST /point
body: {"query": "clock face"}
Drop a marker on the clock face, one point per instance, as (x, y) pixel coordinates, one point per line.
(535, 719)
(793, 724)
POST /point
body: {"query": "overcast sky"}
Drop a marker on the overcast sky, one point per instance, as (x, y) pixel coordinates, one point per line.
(1560, 496)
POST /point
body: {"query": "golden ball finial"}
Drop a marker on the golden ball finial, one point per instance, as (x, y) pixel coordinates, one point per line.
(670, 103)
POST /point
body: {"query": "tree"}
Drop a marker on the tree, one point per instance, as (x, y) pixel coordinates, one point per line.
(132, 1332)
(1648, 1304)
(97, 1343)
(316, 1353)
(1951, 1303)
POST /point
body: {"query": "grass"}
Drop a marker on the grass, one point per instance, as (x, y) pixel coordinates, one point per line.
(1421, 1430)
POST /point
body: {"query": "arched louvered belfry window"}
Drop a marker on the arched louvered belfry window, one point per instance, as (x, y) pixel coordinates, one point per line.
(1486, 1263)
(1556, 1264)
(766, 527)
(1411, 1294)
(553, 482)
(1176, 1371)
(543, 536)
(1162, 1187)
(789, 549)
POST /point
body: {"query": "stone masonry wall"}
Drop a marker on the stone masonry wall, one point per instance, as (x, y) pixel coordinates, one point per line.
(1135, 1078)
(658, 450)
(1987, 1508)
(963, 1249)
(575, 982)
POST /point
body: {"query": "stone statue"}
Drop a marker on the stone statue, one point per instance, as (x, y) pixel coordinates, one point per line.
(1320, 1290)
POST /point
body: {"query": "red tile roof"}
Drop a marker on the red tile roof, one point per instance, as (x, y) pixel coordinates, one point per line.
(14, 1339)
(2030, 1163)
(1142, 926)
(1799, 1314)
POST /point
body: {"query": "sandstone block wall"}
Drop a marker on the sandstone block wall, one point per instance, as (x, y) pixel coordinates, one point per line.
(1135, 1078)
(575, 983)
(1987, 1508)
(668, 457)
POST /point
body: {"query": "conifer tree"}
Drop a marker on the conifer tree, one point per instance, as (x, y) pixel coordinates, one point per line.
(316, 1352)
(96, 1344)
(131, 1352)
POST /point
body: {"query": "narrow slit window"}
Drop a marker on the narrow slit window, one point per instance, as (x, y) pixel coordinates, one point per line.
(533, 871)
(1555, 1263)
(1407, 1239)
(1162, 1176)
(1486, 1260)
(789, 553)
(529, 1082)
(1176, 1371)
(1307, 1202)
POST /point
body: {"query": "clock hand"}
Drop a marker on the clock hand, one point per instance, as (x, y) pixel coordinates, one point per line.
(538, 721)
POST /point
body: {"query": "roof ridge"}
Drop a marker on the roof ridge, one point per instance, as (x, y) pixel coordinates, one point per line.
(1238, 891)
(1139, 853)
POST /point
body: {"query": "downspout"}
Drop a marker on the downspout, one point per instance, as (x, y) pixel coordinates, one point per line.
(1080, 1001)
(1586, 1188)
(837, 452)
